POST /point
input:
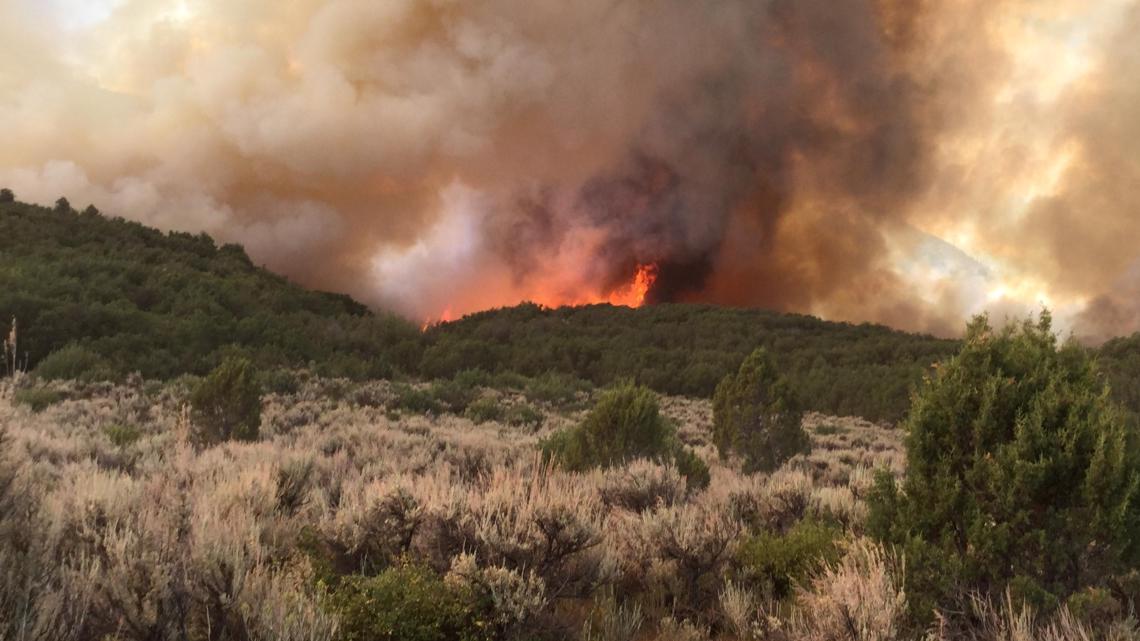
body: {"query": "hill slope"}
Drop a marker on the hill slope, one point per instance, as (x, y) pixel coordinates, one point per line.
(839, 368)
(129, 298)
(167, 304)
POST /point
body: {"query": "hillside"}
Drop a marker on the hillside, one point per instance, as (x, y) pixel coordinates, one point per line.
(169, 304)
(122, 298)
(839, 368)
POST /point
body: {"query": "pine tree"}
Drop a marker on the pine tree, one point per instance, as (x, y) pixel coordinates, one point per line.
(756, 415)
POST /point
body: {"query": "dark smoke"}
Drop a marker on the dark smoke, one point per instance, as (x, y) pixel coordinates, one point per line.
(444, 156)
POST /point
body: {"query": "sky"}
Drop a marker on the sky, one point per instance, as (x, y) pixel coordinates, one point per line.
(879, 160)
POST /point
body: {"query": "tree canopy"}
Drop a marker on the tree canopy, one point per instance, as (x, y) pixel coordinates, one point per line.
(1021, 473)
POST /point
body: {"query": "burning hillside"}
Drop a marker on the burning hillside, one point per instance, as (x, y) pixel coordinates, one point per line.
(887, 160)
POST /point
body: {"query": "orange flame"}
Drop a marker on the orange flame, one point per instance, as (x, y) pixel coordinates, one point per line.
(445, 316)
(631, 294)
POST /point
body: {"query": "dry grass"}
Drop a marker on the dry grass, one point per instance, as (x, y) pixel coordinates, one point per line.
(151, 539)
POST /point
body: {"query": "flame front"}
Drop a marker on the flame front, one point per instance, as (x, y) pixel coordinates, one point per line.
(445, 316)
(633, 294)
(630, 294)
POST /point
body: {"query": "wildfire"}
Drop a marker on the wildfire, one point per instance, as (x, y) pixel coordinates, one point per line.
(630, 294)
(633, 294)
(445, 316)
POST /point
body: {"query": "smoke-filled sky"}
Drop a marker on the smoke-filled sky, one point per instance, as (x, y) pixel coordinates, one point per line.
(910, 162)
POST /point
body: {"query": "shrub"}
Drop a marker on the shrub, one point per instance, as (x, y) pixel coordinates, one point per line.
(1097, 608)
(556, 389)
(122, 434)
(279, 380)
(670, 629)
(523, 415)
(453, 395)
(74, 363)
(374, 526)
(292, 485)
(691, 466)
(543, 520)
(697, 539)
(227, 404)
(415, 400)
(508, 380)
(625, 424)
(642, 485)
(776, 563)
(756, 415)
(516, 597)
(473, 378)
(1021, 474)
(409, 603)
(484, 410)
(861, 598)
(37, 398)
(609, 620)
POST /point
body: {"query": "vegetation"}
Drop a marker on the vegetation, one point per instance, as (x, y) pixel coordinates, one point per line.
(625, 424)
(122, 434)
(74, 362)
(756, 415)
(1021, 475)
(226, 405)
(842, 369)
(1119, 361)
(775, 563)
(165, 305)
(419, 508)
(484, 410)
(342, 523)
(407, 603)
(37, 398)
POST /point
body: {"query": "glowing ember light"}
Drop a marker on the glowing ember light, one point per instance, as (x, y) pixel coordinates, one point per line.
(633, 294)
(630, 294)
(445, 316)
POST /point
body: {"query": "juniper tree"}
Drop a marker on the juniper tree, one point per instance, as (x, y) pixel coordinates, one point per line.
(1020, 474)
(226, 404)
(625, 424)
(756, 415)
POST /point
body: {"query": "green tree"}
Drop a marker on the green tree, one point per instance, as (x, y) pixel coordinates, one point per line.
(6, 196)
(625, 424)
(227, 404)
(1021, 474)
(62, 205)
(756, 415)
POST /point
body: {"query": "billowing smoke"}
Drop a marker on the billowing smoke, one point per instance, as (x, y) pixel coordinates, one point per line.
(888, 160)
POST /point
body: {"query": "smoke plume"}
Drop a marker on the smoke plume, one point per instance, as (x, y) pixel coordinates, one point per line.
(897, 161)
